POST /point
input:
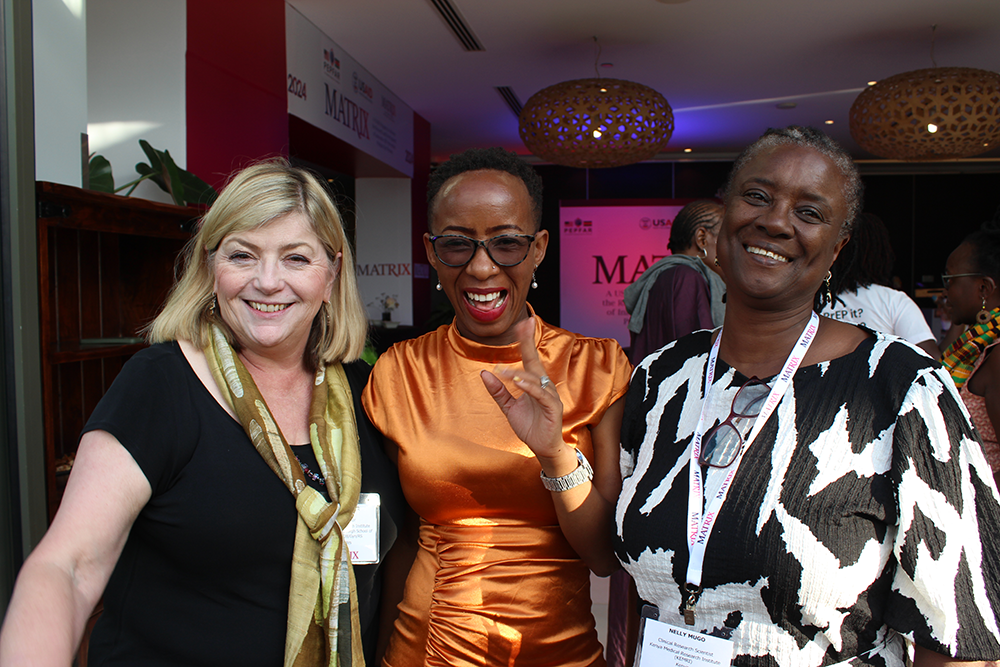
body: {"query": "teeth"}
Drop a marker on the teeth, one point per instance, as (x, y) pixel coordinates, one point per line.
(766, 253)
(482, 298)
(267, 307)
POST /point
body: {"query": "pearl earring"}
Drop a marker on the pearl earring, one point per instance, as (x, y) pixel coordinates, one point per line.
(534, 283)
(438, 287)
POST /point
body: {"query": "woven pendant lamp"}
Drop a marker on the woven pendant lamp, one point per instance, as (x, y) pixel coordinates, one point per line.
(939, 113)
(593, 123)
(596, 123)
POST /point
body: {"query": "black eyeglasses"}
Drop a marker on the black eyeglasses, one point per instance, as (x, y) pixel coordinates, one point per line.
(946, 278)
(505, 250)
(722, 443)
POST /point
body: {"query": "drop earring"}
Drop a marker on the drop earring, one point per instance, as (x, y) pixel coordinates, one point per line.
(984, 316)
(827, 295)
(211, 306)
(534, 283)
(438, 286)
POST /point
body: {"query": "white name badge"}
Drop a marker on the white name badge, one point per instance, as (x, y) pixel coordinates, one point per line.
(665, 645)
(362, 531)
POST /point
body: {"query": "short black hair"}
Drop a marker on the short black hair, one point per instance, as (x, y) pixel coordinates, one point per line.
(479, 159)
(985, 243)
(797, 135)
(699, 214)
(866, 259)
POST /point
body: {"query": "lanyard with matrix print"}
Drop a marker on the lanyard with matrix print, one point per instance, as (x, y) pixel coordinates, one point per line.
(700, 524)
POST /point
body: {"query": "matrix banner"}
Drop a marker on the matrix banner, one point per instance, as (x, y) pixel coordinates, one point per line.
(328, 89)
(604, 247)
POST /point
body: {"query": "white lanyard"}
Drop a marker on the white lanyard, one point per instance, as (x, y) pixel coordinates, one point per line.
(700, 525)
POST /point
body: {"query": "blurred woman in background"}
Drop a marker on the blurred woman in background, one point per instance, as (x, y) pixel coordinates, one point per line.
(971, 277)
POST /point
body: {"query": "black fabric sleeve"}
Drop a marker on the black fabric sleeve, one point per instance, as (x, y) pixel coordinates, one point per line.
(147, 410)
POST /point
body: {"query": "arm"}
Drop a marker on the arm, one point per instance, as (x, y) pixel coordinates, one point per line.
(987, 384)
(931, 348)
(396, 569)
(923, 657)
(65, 576)
(536, 416)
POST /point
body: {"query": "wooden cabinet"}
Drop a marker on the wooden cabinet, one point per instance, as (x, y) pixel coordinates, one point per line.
(106, 264)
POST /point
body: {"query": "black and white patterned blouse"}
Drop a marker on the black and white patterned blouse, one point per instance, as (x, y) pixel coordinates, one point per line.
(863, 512)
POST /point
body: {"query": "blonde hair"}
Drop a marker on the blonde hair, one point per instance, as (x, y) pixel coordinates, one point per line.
(254, 197)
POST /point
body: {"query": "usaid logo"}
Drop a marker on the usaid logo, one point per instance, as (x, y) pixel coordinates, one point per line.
(331, 64)
(658, 223)
(578, 226)
(362, 88)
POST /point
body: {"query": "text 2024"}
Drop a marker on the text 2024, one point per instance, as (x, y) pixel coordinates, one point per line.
(297, 87)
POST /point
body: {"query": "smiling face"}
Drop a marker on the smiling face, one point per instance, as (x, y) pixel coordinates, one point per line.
(782, 227)
(270, 283)
(489, 299)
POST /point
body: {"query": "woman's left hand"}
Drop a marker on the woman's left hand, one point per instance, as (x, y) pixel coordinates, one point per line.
(536, 415)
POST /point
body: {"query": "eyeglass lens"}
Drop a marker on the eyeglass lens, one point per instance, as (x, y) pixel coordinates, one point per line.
(505, 250)
(722, 444)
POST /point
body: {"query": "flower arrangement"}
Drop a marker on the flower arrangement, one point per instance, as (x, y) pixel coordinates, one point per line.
(388, 303)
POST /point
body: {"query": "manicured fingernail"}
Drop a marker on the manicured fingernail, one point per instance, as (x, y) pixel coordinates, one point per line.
(517, 378)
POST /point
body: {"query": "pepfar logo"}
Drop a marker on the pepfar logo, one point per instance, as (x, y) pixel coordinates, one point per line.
(577, 227)
(655, 223)
(331, 64)
(362, 88)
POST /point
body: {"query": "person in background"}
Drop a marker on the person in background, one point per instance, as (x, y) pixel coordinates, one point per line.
(807, 492)
(861, 287)
(514, 483)
(215, 479)
(971, 277)
(681, 292)
(678, 294)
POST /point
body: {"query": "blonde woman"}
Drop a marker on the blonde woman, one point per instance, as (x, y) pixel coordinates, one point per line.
(214, 480)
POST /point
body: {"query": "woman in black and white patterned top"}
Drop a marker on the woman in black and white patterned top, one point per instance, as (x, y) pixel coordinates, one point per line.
(842, 502)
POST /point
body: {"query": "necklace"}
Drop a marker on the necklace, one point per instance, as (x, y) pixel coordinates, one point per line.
(310, 474)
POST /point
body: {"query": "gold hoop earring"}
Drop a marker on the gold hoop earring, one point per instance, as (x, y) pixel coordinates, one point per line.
(984, 316)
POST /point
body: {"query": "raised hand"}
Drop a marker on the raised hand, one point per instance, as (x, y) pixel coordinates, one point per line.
(536, 415)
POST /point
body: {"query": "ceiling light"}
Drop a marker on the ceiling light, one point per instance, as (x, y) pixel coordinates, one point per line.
(687, 150)
(828, 122)
(872, 83)
(894, 118)
(561, 123)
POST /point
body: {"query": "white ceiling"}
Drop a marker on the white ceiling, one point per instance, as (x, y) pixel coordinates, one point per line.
(723, 65)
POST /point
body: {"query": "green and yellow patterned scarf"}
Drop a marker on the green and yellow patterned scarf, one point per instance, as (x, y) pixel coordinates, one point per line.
(960, 357)
(323, 625)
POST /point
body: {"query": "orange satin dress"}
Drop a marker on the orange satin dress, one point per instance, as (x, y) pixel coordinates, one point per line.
(494, 581)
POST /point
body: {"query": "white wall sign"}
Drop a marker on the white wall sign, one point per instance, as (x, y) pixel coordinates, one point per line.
(384, 258)
(329, 89)
(604, 247)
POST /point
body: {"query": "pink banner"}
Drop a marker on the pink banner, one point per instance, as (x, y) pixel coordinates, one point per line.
(604, 246)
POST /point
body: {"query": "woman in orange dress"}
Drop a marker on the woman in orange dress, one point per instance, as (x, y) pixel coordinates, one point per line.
(505, 432)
